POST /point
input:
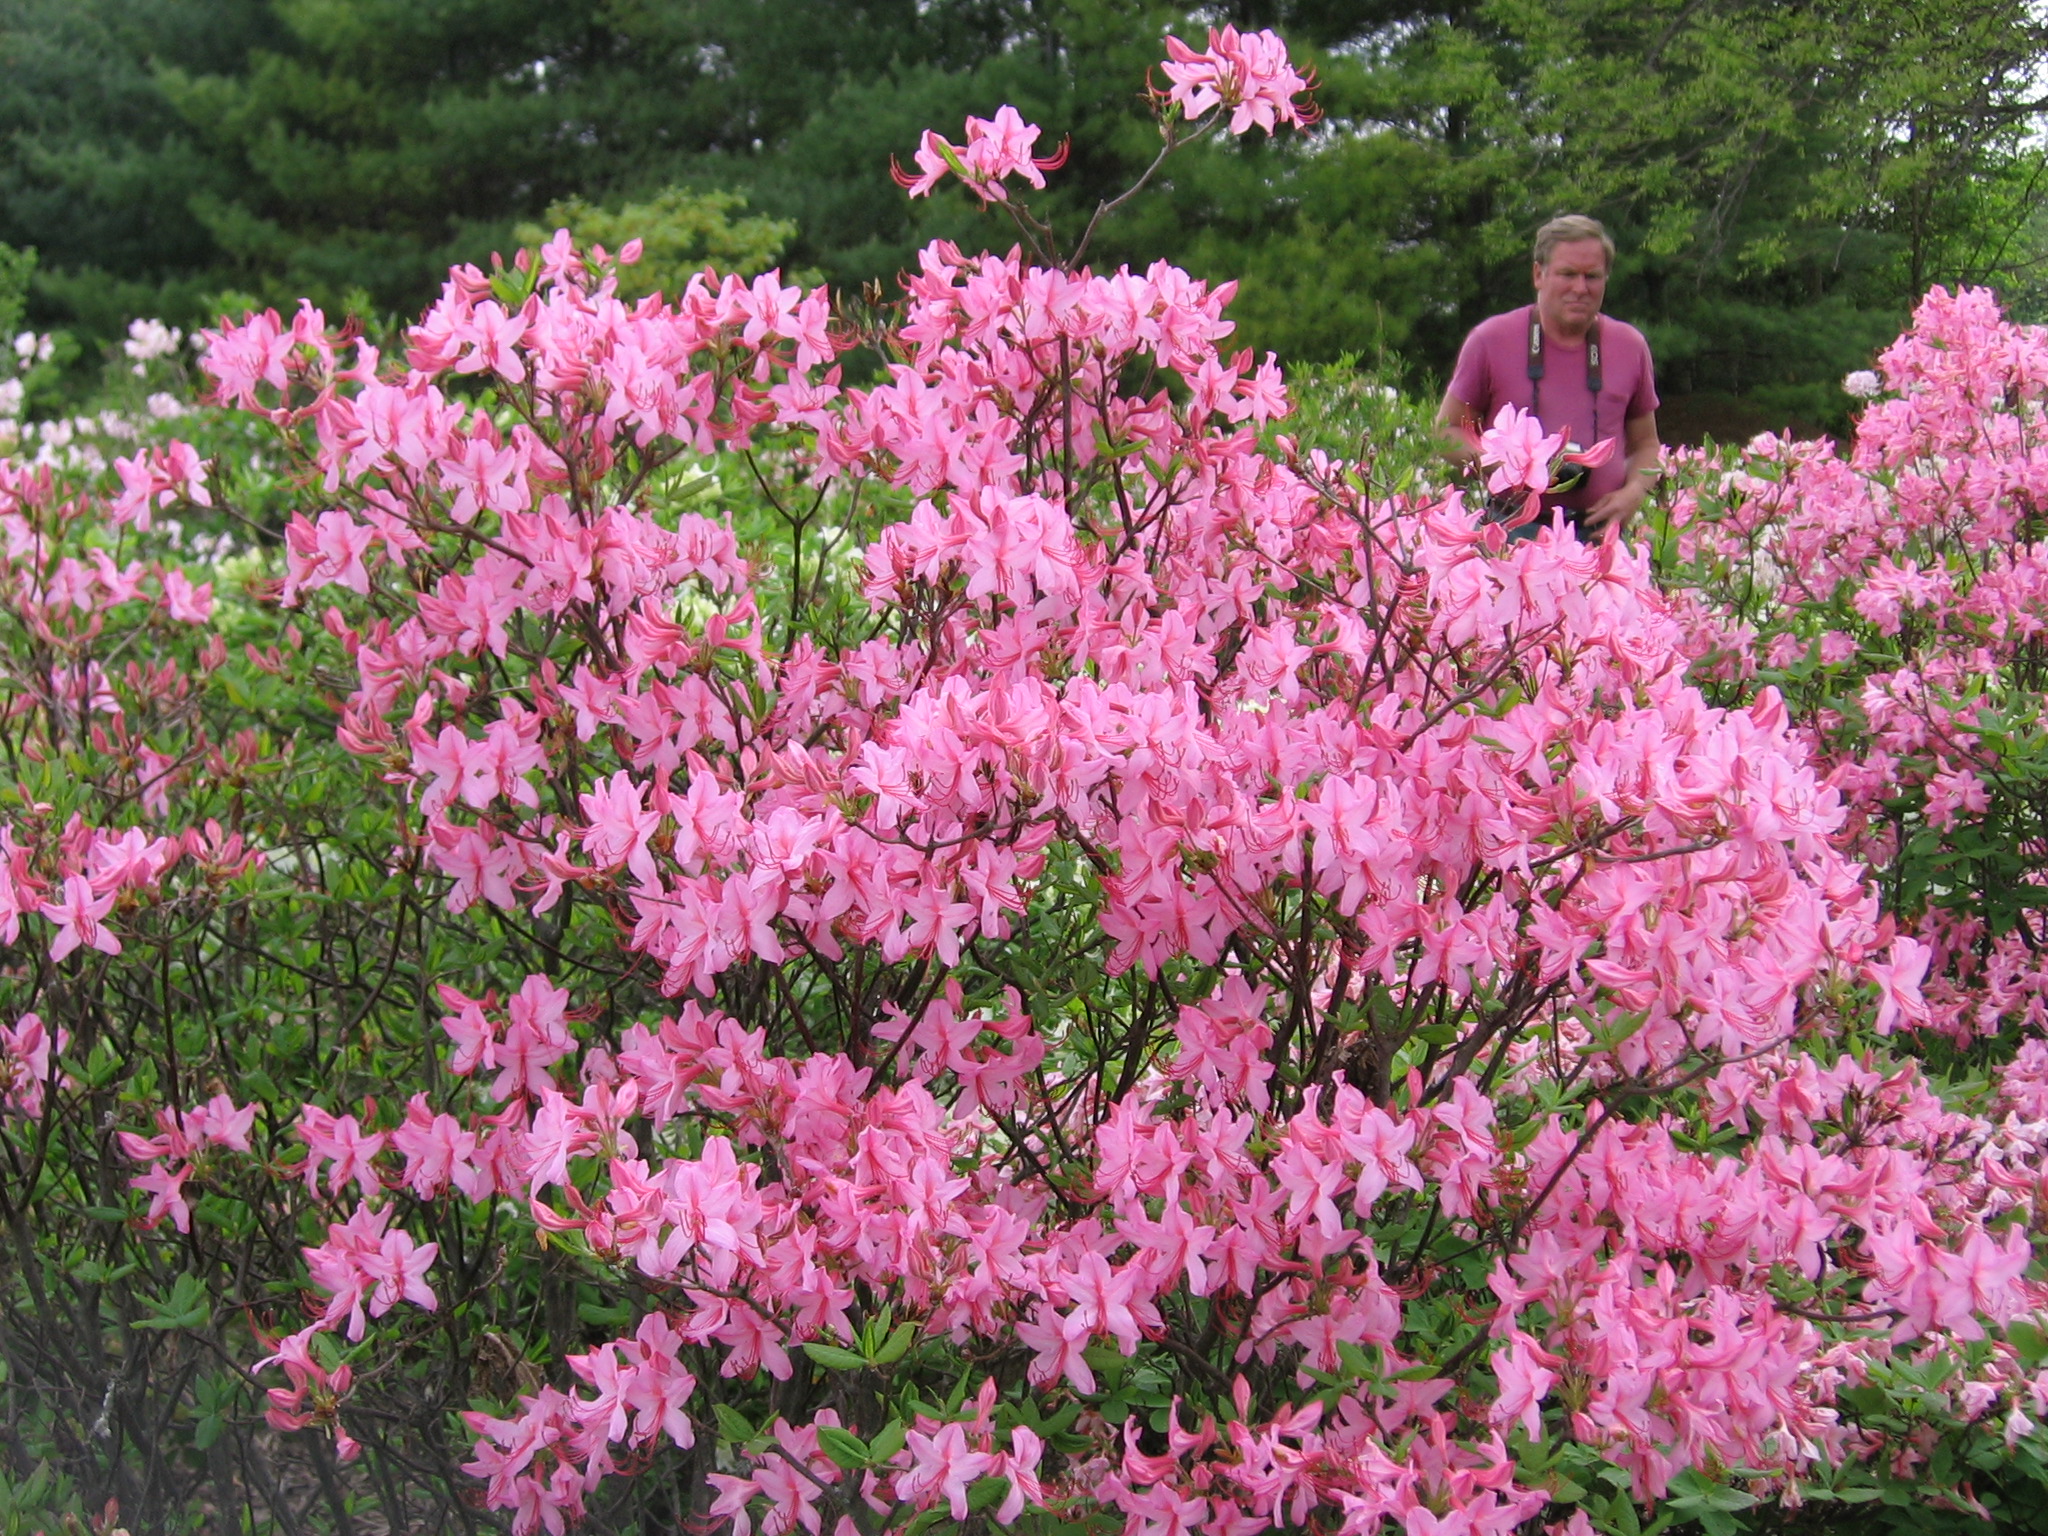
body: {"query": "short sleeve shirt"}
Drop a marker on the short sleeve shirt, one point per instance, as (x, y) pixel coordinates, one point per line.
(1493, 370)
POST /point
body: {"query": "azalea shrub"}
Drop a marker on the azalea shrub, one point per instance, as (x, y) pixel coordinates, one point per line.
(1898, 593)
(728, 912)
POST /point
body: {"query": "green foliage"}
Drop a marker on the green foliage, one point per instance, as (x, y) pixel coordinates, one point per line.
(16, 268)
(41, 1502)
(1353, 411)
(99, 171)
(315, 147)
(680, 230)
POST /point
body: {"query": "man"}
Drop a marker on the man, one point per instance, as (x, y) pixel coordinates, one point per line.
(1583, 375)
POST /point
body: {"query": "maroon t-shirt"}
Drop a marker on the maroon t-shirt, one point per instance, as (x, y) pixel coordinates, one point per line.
(1493, 370)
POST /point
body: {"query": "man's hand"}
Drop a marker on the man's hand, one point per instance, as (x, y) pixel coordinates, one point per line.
(1615, 507)
(1645, 459)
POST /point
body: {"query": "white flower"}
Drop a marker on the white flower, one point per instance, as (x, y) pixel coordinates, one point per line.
(1863, 384)
(166, 407)
(151, 338)
(10, 398)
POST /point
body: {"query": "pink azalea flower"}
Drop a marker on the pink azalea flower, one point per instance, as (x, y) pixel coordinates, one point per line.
(1247, 72)
(996, 149)
(1519, 451)
(80, 919)
(941, 1467)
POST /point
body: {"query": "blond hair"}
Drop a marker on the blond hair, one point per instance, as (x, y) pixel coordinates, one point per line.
(1568, 228)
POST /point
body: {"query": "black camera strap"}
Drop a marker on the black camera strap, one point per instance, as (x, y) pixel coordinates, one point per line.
(1594, 377)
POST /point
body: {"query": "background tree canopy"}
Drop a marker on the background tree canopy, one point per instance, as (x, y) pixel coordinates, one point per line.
(1784, 178)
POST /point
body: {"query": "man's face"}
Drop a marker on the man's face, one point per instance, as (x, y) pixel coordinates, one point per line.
(1571, 285)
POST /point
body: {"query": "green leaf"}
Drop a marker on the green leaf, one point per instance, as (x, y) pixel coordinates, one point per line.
(186, 1307)
(847, 1450)
(604, 1316)
(1693, 1490)
(872, 1332)
(1941, 1465)
(103, 1065)
(887, 1442)
(1107, 1362)
(1064, 1420)
(897, 1345)
(987, 1493)
(732, 1424)
(173, 1320)
(2028, 1341)
(1355, 1360)
(833, 1358)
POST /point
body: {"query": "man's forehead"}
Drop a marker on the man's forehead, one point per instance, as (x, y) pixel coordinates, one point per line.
(1578, 253)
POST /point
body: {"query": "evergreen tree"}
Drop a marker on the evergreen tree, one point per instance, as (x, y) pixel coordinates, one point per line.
(1784, 178)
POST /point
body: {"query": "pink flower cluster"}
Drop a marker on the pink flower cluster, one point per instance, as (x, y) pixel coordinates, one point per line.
(1903, 575)
(158, 478)
(93, 868)
(996, 149)
(1523, 457)
(366, 1262)
(313, 1396)
(1247, 72)
(1132, 636)
(924, 822)
(1645, 1275)
(74, 608)
(28, 1055)
(1463, 914)
(176, 1151)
